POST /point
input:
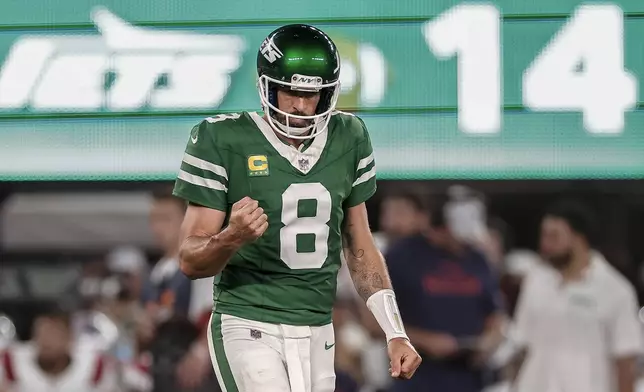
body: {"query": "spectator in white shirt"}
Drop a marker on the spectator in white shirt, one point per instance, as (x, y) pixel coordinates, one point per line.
(576, 315)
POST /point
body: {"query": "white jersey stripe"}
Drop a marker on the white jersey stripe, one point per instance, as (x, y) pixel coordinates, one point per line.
(200, 181)
(365, 177)
(205, 165)
(364, 162)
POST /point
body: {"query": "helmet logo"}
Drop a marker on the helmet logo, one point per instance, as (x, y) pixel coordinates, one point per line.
(270, 51)
(304, 82)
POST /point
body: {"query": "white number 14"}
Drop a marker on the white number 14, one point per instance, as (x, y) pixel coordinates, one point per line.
(581, 68)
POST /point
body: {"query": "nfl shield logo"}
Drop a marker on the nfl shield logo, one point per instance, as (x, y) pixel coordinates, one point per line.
(255, 334)
(303, 163)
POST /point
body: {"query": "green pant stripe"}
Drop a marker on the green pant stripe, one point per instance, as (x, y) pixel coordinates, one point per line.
(220, 354)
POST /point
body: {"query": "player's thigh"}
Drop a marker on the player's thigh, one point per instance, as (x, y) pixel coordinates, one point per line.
(323, 359)
(245, 358)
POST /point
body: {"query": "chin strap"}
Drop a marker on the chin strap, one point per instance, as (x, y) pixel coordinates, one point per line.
(294, 130)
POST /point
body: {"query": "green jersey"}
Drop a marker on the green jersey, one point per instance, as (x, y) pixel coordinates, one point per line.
(289, 274)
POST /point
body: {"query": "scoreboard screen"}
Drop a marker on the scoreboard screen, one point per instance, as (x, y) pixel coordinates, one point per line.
(106, 90)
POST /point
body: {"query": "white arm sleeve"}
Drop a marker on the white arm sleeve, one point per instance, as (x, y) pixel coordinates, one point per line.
(384, 307)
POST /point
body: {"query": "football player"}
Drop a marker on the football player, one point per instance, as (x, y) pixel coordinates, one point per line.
(274, 198)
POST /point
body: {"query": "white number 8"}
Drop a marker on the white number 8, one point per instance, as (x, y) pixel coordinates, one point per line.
(294, 225)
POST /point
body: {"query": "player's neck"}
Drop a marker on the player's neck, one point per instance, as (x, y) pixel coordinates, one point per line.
(293, 142)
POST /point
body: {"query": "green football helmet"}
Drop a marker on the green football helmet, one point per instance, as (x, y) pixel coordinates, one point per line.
(298, 57)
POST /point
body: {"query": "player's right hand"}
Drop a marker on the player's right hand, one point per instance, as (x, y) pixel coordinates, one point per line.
(247, 220)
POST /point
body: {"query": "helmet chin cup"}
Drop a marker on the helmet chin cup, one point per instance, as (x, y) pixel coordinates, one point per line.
(292, 132)
(320, 121)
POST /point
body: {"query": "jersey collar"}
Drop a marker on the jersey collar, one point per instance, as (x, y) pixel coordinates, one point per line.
(310, 154)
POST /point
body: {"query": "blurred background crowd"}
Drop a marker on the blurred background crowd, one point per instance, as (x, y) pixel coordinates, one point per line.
(515, 249)
(126, 318)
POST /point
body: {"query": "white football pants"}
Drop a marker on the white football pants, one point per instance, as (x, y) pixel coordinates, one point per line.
(251, 356)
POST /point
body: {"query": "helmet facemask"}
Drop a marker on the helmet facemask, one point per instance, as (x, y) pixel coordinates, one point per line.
(268, 88)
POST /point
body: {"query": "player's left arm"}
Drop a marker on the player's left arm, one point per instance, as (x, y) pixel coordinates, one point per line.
(367, 265)
(371, 279)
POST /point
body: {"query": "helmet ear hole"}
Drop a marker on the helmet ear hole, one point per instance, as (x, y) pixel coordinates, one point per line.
(326, 95)
(272, 97)
(272, 94)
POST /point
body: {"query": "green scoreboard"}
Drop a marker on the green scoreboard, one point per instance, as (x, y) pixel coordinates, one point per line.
(109, 90)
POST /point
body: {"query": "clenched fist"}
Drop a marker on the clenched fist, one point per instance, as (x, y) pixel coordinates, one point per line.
(404, 358)
(247, 220)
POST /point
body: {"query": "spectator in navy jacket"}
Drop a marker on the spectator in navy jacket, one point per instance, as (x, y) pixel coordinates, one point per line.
(450, 301)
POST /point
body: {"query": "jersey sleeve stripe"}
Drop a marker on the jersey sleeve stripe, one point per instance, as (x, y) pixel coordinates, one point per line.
(200, 181)
(364, 162)
(365, 176)
(205, 165)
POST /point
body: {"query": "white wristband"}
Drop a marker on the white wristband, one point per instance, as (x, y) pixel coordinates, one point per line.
(385, 309)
